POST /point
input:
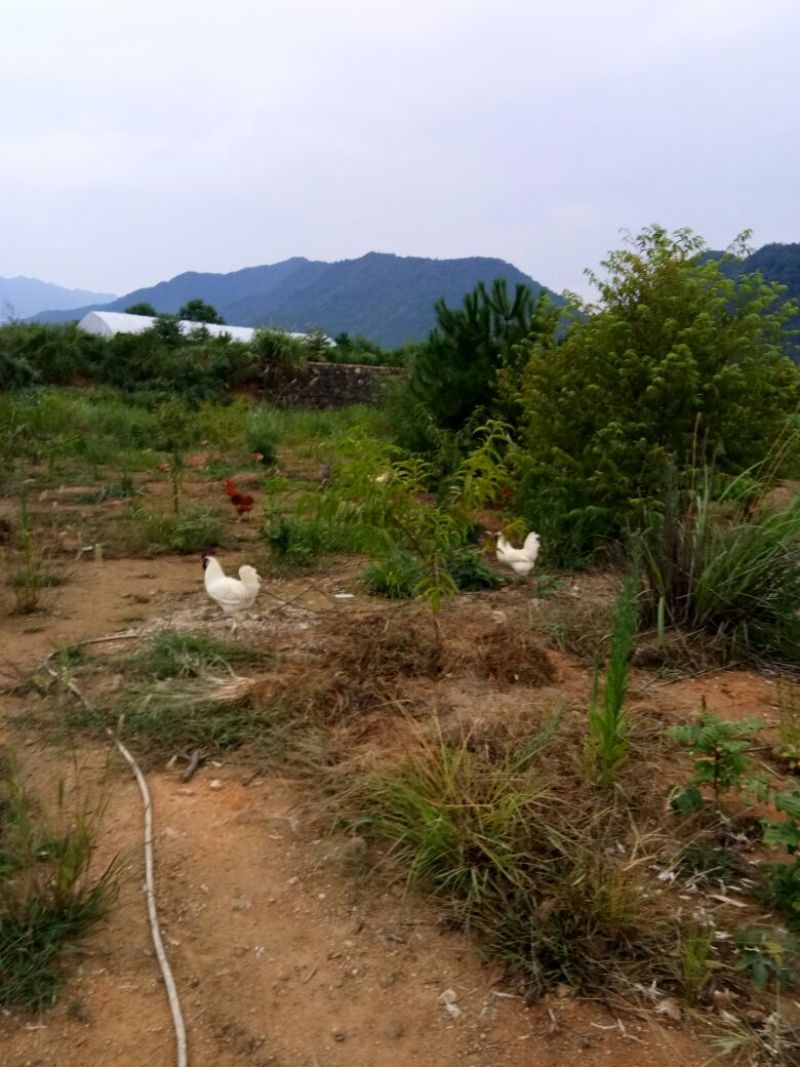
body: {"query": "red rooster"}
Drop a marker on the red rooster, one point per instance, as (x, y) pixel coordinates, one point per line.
(243, 502)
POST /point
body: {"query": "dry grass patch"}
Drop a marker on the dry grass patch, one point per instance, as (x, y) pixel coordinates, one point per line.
(580, 626)
(513, 657)
(383, 645)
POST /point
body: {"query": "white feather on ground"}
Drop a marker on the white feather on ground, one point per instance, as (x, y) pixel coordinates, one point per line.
(520, 560)
(234, 595)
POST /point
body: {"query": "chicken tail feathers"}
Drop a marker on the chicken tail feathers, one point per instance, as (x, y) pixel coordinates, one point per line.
(531, 545)
(249, 576)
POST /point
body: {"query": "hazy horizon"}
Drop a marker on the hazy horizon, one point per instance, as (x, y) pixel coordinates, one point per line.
(145, 140)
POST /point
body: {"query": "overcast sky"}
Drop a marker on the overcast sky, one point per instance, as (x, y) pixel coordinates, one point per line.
(142, 138)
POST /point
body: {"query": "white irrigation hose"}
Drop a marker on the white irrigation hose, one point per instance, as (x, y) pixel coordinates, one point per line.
(163, 962)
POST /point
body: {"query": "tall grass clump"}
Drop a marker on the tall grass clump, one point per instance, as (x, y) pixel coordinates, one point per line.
(32, 572)
(457, 824)
(721, 568)
(49, 896)
(303, 540)
(520, 853)
(396, 576)
(262, 433)
(609, 726)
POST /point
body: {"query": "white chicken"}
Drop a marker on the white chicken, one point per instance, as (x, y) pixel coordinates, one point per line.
(234, 595)
(520, 560)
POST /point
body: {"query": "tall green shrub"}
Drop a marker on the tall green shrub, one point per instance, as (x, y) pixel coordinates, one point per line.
(675, 364)
(455, 373)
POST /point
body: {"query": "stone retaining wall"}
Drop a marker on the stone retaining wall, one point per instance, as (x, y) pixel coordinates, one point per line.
(332, 385)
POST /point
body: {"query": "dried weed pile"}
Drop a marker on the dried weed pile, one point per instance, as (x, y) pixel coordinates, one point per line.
(510, 657)
(382, 646)
(409, 642)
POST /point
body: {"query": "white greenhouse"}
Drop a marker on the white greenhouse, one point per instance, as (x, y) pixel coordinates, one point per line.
(108, 323)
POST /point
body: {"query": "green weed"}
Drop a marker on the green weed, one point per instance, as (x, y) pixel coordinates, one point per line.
(696, 941)
(32, 571)
(609, 728)
(783, 879)
(395, 577)
(384, 494)
(456, 824)
(303, 541)
(523, 865)
(721, 760)
(770, 957)
(788, 694)
(48, 898)
(213, 713)
(399, 574)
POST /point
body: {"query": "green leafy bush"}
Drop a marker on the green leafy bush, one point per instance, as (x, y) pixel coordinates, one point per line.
(470, 570)
(771, 957)
(197, 365)
(34, 354)
(677, 364)
(783, 879)
(396, 576)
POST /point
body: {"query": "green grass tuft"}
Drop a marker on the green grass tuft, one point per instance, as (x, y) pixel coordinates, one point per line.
(395, 577)
(176, 654)
(528, 868)
(48, 897)
(732, 577)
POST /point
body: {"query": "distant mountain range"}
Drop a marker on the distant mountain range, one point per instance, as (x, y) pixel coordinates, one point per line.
(22, 297)
(385, 297)
(778, 263)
